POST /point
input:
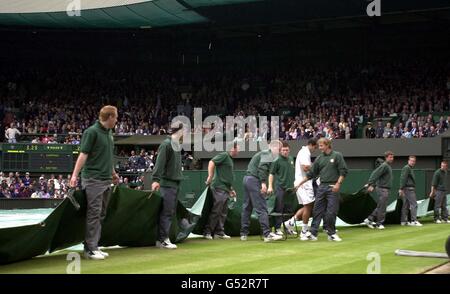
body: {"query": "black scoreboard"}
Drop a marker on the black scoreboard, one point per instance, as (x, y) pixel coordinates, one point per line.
(38, 157)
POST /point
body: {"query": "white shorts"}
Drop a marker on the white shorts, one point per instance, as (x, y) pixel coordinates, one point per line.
(305, 194)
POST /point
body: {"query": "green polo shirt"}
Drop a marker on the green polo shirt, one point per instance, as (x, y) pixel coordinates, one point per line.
(407, 177)
(98, 143)
(259, 165)
(223, 172)
(167, 170)
(439, 181)
(283, 168)
(381, 176)
(329, 167)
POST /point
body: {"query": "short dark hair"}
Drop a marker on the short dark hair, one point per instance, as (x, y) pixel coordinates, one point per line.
(412, 156)
(388, 153)
(175, 129)
(444, 161)
(312, 141)
(284, 144)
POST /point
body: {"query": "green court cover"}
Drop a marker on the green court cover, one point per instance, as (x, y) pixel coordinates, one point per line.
(132, 215)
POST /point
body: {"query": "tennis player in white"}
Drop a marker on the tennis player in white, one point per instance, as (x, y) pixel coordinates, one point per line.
(305, 193)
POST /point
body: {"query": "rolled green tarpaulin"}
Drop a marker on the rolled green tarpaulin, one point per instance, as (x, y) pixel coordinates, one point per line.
(355, 207)
(187, 219)
(391, 207)
(393, 215)
(199, 205)
(131, 220)
(233, 222)
(24, 242)
(232, 225)
(201, 208)
(422, 207)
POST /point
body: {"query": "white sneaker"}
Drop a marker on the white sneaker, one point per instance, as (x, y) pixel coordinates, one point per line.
(207, 236)
(243, 237)
(438, 221)
(290, 225)
(369, 223)
(405, 223)
(279, 232)
(291, 232)
(334, 238)
(95, 255)
(224, 236)
(272, 237)
(166, 244)
(105, 254)
(446, 221)
(310, 237)
(326, 231)
(380, 227)
(415, 224)
(304, 236)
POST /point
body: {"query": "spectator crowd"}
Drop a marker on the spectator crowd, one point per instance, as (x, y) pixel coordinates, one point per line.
(311, 102)
(145, 161)
(15, 185)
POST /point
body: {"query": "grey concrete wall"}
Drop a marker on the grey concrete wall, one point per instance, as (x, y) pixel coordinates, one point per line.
(423, 162)
(364, 147)
(362, 153)
(359, 153)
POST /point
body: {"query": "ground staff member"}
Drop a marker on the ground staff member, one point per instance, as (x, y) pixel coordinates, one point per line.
(167, 176)
(255, 191)
(439, 193)
(96, 164)
(332, 169)
(381, 178)
(283, 169)
(220, 178)
(408, 193)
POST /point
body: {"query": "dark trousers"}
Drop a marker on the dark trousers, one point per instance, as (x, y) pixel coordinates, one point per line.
(218, 214)
(169, 204)
(326, 207)
(279, 206)
(440, 203)
(409, 205)
(97, 197)
(254, 199)
(379, 213)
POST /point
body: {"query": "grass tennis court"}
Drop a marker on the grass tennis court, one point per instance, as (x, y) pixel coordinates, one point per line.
(196, 256)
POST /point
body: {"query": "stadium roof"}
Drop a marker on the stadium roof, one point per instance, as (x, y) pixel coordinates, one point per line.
(104, 13)
(252, 15)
